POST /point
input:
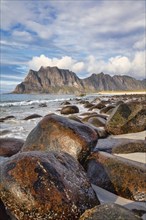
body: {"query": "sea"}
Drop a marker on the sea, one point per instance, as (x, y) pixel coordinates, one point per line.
(22, 105)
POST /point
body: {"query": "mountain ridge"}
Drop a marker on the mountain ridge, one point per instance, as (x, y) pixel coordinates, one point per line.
(63, 81)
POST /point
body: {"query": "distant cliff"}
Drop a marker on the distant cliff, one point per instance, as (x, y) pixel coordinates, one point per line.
(62, 81)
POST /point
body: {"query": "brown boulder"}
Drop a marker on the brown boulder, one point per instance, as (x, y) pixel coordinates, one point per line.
(107, 108)
(70, 109)
(127, 118)
(65, 103)
(121, 145)
(131, 146)
(109, 211)
(59, 133)
(10, 146)
(37, 185)
(137, 123)
(75, 118)
(93, 114)
(117, 175)
(100, 105)
(97, 121)
(32, 116)
(7, 118)
(88, 105)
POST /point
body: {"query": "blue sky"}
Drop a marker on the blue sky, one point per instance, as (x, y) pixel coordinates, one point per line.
(84, 36)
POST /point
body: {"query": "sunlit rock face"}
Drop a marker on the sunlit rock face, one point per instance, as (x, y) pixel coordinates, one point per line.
(40, 185)
(117, 175)
(59, 133)
(63, 81)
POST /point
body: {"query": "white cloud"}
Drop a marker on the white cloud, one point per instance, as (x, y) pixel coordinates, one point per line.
(9, 83)
(65, 62)
(140, 44)
(139, 64)
(106, 29)
(22, 35)
(118, 65)
(11, 77)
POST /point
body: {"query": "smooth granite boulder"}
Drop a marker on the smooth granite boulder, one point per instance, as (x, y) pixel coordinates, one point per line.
(59, 133)
(117, 175)
(69, 109)
(109, 211)
(10, 146)
(127, 118)
(97, 121)
(121, 145)
(40, 185)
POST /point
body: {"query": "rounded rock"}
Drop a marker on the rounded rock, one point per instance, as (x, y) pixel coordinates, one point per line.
(59, 133)
(71, 109)
(39, 185)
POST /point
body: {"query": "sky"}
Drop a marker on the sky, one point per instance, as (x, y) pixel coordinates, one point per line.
(84, 36)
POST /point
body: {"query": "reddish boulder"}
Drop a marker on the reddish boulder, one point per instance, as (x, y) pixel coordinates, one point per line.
(39, 185)
(59, 133)
(117, 175)
(70, 109)
(10, 146)
(121, 145)
(109, 211)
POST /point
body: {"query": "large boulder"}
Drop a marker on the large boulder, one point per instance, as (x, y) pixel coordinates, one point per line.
(117, 175)
(39, 185)
(10, 146)
(121, 145)
(70, 109)
(109, 211)
(127, 118)
(59, 133)
(130, 146)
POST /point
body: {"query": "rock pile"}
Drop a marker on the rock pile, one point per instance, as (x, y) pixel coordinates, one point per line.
(49, 175)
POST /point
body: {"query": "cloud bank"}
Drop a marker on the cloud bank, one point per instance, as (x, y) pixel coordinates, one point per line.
(83, 36)
(119, 65)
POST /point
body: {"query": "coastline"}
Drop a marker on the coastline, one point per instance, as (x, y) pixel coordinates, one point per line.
(91, 106)
(122, 92)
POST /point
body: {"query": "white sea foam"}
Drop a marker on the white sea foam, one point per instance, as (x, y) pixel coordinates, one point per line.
(33, 102)
(21, 106)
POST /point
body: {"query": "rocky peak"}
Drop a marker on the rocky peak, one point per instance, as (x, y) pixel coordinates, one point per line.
(63, 81)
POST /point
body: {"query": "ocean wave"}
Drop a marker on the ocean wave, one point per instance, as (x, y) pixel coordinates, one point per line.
(30, 102)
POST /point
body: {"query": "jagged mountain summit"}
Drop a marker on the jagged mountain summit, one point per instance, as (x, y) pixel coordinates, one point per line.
(62, 81)
(50, 80)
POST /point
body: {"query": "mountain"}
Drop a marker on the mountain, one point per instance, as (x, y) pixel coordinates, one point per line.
(63, 81)
(104, 82)
(50, 80)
